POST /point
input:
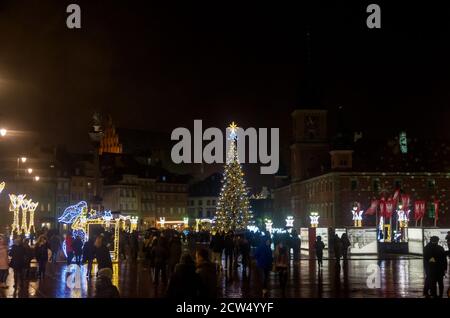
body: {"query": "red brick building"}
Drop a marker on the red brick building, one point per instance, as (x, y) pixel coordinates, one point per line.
(328, 175)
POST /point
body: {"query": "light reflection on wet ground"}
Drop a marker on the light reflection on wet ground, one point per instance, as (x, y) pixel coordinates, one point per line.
(400, 277)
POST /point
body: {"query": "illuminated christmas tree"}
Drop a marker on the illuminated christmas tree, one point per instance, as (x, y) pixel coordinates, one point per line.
(233, 209)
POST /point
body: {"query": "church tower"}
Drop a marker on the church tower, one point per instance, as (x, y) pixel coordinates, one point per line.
(310, 149)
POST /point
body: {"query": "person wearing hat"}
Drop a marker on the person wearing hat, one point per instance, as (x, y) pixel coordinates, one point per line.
(104, 287)
(435, 264)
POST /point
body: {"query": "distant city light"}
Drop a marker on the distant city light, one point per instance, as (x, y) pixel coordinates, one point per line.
(3, 132)
(30, 171)
(23, 159)
(37, 178)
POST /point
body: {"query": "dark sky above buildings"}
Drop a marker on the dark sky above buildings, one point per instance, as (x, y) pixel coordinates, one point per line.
(158, 67)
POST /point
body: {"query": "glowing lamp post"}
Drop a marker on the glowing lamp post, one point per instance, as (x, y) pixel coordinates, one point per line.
(357, 215)
(133, 223)
(314, 217)
(290, 221)
(162, 221)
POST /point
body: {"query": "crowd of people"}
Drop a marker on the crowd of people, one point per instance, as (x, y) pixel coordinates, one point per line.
(187, 264)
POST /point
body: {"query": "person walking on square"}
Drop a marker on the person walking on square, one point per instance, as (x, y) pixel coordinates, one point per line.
(89, 255)
(282, 265)
(185, 282)
(102, 254)
(17, 263)
(4, 260)
(264, 260)
(206, 271)
(69, 248)
(174, 253)
(435, 263)
(29, 255)
(41, 252)
(216, 246)
(229, 248)
(55, 246)
(337, 248)
(320, 246)
(77, 246)
(104, 287)
(160, 257)
(345, 245)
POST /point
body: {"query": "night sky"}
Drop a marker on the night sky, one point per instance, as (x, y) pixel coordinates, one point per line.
(159, 67)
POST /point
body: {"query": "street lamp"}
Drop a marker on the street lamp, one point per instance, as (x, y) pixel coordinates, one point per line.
(36, 178)
(3, 132)
(30, 171)
(23, 159)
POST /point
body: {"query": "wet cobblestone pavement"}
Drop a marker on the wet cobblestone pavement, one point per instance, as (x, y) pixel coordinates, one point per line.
(401, 276)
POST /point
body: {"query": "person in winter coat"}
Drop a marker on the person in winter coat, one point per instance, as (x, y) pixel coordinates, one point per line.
(229, 249)
(29, 255)
(320, 246)
(206, 271)
(89, 255)
(216, 246)
(4, 261)
(55, 246)
(264, 260)
(244, 248)
(69, 248)
(41, 252)
(102, 254)
(104, 287)
(77, 246)
(282, 264)
(345, 245)
(160, 257)
(17, 263)
(447, 238)
(174, 253)
(337, 246)
(184, 283)
(435, 264)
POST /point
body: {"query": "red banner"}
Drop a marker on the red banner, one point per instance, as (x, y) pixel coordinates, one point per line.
(389, 207)
(405, 201)
(436, 210)
(382, 208)
(422, 209)
(373, 208)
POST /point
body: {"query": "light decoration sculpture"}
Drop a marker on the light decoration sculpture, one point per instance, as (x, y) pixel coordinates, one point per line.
(24, 206)
(314, 217)
(290, 221)
(357, 214)
(79, 219)
(133, 223)
(14, 206)
(31, 208)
